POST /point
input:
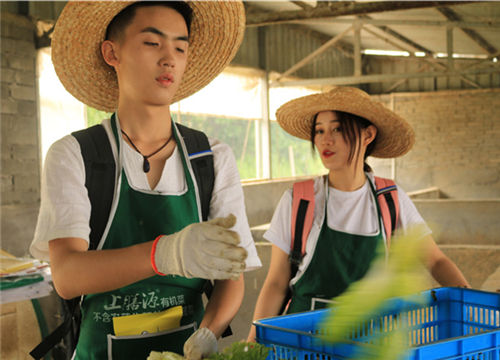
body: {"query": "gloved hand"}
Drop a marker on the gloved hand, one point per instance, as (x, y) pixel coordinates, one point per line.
(201, 344)
(207, 250)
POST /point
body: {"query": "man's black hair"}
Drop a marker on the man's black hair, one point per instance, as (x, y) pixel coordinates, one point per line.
(117, 26)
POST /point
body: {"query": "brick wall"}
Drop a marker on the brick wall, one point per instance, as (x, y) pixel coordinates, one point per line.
(20, 163)
(20, 159)
(457, 147)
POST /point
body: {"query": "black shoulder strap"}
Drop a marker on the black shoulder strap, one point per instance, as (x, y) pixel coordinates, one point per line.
(68, 330)
(303, 200)
(202, 162)
(100, 182)
(392, 210)
(296, 255)
(99, 177)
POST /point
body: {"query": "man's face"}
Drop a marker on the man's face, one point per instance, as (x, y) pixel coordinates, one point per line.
(152, 56)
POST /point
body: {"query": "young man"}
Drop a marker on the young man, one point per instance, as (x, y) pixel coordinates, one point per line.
(135, 60)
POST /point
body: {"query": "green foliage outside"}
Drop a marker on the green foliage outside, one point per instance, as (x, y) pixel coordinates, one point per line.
(95, 117)
(232, 132)
(305, 161)
(239, 134)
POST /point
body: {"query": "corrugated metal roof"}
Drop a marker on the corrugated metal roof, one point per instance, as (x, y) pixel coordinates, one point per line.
(278, 43)
(471, 30)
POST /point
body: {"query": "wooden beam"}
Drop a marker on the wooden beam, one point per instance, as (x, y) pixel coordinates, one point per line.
(344, 47)
(436, 63)
(387, 22)
(428, 59)
(449, 48)
(400, 37)
(340, 8)
(402, 81)
(389, 41)
(303, 5)
(315, 53)
(478, 39)
(364, 79)
(357, 48)
(480, 62)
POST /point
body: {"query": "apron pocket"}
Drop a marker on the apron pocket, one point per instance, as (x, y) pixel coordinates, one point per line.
(140, 324)
(140, 346)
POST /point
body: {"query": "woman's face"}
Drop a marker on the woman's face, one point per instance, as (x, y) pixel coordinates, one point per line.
(328, 139)
(335, 148)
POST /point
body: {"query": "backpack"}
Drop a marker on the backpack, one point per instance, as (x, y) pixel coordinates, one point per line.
(100, 169)
(303, 215)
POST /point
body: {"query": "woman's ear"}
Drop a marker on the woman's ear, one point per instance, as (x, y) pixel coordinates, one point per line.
(369, 134)
(108, 51)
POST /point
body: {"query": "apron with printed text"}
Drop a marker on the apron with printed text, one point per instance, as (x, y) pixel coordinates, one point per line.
(339, 259)
(141, 217)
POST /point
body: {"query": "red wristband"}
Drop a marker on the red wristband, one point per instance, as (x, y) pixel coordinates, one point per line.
(153, 249)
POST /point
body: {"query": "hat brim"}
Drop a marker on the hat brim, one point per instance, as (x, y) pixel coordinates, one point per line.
(217, 31)
(395, 137)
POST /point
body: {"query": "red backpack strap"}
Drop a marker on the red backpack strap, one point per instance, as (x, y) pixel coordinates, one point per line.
(302, 218)
(387, 197)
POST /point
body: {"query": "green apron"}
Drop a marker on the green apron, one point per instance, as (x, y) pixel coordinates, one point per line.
(338, 260)
(141, 217)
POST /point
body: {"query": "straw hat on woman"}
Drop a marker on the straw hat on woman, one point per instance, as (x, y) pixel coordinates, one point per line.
(348, 228)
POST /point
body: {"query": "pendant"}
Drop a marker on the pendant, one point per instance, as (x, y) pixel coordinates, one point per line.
(145, 165)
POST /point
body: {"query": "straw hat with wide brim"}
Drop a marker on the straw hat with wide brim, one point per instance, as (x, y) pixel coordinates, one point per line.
(395, 137)
(217, 30)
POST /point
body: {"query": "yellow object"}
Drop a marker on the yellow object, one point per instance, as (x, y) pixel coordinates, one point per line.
(9, 263)
(148, 323)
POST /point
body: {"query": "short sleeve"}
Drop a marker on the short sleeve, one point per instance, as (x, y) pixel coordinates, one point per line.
(279, 232)
(65, 206)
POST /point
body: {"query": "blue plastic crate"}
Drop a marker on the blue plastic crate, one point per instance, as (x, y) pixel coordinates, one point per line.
(456, 323)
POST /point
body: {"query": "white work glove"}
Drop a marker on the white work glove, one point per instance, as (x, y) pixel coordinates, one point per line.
(207, 250)
(201, 344)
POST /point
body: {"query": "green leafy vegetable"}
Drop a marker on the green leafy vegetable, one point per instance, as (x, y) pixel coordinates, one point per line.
(242, 351)
(237, 351)
(400, 277)
(166, 355)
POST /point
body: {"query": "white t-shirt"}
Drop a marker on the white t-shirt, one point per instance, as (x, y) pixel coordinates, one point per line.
(352, 212)
(65, 206)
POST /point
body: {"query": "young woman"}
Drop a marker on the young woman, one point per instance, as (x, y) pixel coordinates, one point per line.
(345, 126)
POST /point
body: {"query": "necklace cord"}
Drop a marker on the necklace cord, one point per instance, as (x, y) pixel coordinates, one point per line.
(153, 153)
(145, 166)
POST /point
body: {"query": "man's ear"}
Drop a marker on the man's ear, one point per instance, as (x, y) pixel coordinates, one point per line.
(369, 134)
(108, 51)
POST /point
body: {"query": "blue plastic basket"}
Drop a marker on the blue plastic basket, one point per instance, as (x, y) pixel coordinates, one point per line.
(456, 323)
